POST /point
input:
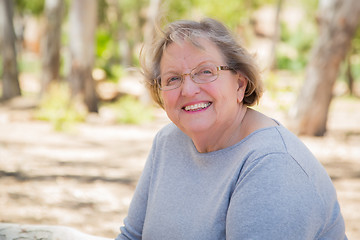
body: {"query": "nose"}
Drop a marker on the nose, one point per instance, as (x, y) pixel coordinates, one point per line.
(189, 87)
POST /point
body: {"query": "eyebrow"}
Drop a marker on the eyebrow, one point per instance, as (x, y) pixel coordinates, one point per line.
(171, 71)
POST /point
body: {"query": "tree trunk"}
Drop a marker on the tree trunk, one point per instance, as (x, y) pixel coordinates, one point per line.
(10, 79)
(349, 75)
(338, 23)
(83, 15)
(123, 41)
(276, 36)
(149, 34)
(152, 14)
(50, 47)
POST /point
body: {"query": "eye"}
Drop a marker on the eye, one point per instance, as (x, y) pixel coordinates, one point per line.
(205, 71)
(172, 80)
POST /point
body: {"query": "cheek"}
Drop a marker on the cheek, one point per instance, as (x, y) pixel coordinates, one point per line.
(169, 99)
(225, 92)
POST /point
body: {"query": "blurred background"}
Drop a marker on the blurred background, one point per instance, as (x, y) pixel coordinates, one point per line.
(76, 122)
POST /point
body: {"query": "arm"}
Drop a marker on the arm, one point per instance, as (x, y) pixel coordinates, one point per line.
(274, 199)
(134, 222)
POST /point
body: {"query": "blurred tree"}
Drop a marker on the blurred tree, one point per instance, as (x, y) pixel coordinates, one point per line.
(51, 42)
(152, 14)
(119, 34)
(352, 65)
(107, 53)
(125, 49)
(10, 80)
(349, 75)
(82, 20)
(276, 37)
(338, 22)
(133, 19)
(33, 7)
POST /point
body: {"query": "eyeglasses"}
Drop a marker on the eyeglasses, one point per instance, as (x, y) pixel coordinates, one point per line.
(201, 74)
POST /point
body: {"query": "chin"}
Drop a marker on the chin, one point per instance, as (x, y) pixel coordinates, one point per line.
(191, 125)
(193, 129)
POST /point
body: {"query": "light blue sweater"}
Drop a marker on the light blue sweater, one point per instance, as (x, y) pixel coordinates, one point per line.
(268, 186)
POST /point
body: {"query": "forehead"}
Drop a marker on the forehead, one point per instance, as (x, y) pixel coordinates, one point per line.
(187, 55)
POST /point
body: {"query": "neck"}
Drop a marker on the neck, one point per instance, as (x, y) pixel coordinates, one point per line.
(220, 138)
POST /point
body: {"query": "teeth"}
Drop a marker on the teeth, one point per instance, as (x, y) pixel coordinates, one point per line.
(197, 106)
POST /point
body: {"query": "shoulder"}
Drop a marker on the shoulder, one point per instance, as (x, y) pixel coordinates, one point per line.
(281, 159)
(275, 192)
(276, 139)
(277, 154)
(284, 182)
(264, 141)
(278, 144)
(268, 132)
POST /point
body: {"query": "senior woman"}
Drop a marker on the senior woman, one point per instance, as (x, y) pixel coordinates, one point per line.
(222, 170)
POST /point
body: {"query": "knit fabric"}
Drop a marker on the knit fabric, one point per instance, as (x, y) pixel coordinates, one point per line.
(267, 186)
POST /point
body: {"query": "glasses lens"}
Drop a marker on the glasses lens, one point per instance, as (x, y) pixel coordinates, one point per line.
(201, 74)
(170, 82)
(205, 73)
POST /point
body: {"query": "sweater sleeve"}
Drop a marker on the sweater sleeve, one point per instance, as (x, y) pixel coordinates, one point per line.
(274, 199)
(134, 222)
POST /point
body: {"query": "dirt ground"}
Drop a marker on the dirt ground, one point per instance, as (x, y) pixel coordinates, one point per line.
(85, 178)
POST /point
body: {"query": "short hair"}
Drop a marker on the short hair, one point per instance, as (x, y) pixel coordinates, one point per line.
(235, 55)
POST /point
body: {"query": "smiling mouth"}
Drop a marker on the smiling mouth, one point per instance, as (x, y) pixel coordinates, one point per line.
(197, 107)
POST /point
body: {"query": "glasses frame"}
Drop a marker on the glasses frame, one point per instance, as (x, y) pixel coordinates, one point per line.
(218, 68)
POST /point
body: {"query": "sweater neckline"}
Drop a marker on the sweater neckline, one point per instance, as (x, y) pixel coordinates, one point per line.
(230, 148)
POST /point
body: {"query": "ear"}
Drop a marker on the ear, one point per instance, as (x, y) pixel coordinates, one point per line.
(242, 83)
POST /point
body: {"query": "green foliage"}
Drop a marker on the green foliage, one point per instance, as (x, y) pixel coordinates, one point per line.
(310, 6)
(356, 42)
(293, 51)
(233, 13)
(119, 22)
(129, 110)
(29, 65)
(106, 55)
(132, 12)
(355, 68)
(103, 44)
(228, 12)
(355, 59)
(177, 9)
(58, 108)
(34, 7)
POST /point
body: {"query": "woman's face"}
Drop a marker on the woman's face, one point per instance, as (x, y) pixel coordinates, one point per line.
(193, 107)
